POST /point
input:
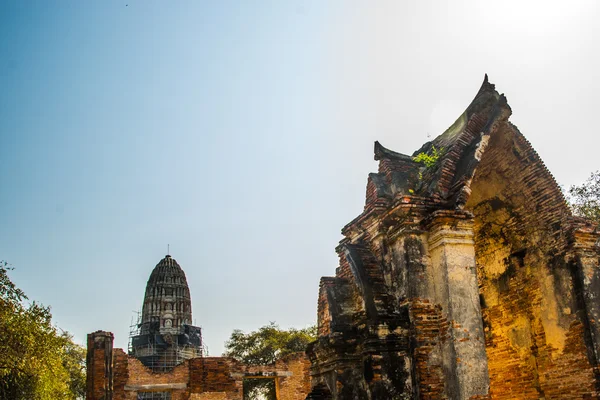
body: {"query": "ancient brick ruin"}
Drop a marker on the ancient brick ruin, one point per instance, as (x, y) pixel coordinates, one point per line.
(165, 360)
(465, 277)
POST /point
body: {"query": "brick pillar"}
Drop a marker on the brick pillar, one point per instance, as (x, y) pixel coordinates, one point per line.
(452, 254)
(588, 274)
(99, 363)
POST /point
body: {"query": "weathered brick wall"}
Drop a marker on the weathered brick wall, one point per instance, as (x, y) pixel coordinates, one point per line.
(113, 375)
(213, 374)
(121, 374)
(99, 380)
(222, 378)
(430, 329)
(540, 357)
(534, 331)
(323, 313)
(296, 384)
(141, 379)
(480, 233)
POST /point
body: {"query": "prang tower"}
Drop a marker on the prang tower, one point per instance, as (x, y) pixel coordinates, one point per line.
(164, 337)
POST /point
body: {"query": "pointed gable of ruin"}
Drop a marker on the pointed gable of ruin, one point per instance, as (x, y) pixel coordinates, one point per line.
(461, 149)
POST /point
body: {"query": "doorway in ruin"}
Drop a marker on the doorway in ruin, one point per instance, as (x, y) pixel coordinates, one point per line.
(154, 396)
(260, 388)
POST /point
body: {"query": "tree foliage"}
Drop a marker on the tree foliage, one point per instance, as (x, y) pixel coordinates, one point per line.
(268, 344)
(259, 389)
(37, 360)
(585, 199)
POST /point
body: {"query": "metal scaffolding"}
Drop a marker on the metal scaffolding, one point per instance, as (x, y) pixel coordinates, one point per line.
(163, 349)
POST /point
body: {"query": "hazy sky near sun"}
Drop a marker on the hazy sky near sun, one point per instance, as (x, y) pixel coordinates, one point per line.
(242, 134)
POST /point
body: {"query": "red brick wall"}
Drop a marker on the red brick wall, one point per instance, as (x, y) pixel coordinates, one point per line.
(121, 374)
(212, 374)
(99, 365)
(296, 386)
(430, 329)
(197, 378)
(535, 337)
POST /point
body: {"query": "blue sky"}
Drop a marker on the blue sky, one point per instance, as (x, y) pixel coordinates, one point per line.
(241, 133)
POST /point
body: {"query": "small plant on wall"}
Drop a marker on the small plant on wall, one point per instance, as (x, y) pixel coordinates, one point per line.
(429, 159)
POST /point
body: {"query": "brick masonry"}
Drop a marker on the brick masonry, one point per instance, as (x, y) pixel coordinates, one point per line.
(117, 376)
(467, 279)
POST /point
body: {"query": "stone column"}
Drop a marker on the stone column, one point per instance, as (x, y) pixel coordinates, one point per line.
(452, 253)
(99, 363)
(587, 255)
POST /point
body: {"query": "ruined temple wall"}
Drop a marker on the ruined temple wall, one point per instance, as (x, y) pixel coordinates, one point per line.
(478, 248)
(117, 376)
(534, 326)
(413, 282)
(366, 353)
(423, 287)
(142, 378)
(535, 334)
(447, 333)
(99, 367)
(295, 385)
(222, 378)
(121, 375)
(534, 337)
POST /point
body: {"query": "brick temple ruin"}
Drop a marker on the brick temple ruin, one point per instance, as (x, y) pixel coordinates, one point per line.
(465, 277)
(166, 359)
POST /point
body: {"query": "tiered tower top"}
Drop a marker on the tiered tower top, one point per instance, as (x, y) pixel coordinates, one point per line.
(167, 302)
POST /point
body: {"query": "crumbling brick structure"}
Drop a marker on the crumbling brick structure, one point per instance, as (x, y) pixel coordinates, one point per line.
(465, 277)
(114, 375)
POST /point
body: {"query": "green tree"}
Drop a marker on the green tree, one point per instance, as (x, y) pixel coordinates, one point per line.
(265, 346)
(73, 361)
(585, 199)
(268, 344)
(37, 360)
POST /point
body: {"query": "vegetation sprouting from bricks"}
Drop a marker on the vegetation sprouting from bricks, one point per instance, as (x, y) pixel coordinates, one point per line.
(429, 159)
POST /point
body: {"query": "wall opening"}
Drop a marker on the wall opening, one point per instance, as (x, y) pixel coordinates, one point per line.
(261, 388)
(154, 396)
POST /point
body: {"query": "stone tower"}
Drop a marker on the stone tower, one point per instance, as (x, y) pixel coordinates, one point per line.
(165, 336)
(167, 302)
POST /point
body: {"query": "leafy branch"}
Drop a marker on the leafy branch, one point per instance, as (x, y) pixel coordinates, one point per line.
(585, 199)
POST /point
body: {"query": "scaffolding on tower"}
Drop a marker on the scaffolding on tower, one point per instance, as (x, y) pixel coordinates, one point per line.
(161, 349)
